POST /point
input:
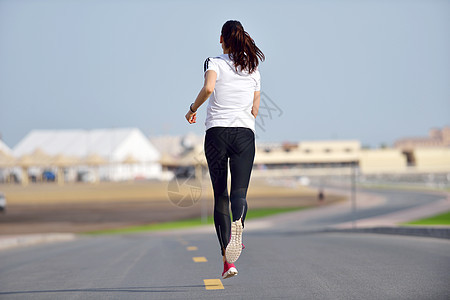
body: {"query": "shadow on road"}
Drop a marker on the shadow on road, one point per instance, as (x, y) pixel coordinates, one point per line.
(145, 289)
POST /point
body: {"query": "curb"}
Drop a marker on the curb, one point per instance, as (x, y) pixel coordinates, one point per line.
(8, 242)
(435, 232)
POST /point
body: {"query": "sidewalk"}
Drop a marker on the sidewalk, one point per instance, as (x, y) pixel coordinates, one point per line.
(441, 232)
(404, 216)
(391, 223)
(386, 224)
(13, 241)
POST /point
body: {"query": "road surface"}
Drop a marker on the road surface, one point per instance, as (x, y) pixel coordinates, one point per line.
(290, 259)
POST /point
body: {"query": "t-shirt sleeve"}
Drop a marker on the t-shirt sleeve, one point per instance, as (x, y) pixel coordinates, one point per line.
(210, 64)
(257, 78)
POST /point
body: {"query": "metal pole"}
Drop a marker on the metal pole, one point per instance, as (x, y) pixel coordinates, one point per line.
(353, 195)
(204, 209)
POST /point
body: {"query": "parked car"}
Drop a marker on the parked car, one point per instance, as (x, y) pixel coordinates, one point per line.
(48, 176)
(2, 202)
(85, 176)
(185, 172)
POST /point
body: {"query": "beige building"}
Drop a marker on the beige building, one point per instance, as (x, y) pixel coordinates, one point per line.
(432, 160)
(382, 161)
(437, 138)
(342, 154)
(336, 157)
(311, 154)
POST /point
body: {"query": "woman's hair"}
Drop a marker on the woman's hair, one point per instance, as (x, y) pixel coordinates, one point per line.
(243, 50)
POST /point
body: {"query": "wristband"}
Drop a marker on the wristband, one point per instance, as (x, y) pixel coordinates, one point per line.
(190, 108)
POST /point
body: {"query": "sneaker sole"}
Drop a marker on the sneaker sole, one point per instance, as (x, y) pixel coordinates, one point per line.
(234, 248)
(230, 273)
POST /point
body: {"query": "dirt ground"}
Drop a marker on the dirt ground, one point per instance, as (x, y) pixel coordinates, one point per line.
(78, 208)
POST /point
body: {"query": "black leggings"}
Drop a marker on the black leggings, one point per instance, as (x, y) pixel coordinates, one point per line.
(236, 144)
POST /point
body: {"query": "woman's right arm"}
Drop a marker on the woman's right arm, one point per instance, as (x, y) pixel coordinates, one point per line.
(256, 100)
(203, 95)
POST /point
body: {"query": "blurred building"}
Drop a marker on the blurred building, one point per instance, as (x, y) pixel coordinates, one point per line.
(427, 154)
(431, 160)
(319, 157)
(125, 154)
(437, 138)
(333, 158)
(6, 160)
(309, 154)
(105, 154)
(176, 146)
(4, 148)
(316, 156)
(179, 154)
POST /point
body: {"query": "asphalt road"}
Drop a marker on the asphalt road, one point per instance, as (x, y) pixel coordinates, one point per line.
(287, 260)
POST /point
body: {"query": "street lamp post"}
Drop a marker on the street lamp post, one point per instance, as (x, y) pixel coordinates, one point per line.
(353, 194)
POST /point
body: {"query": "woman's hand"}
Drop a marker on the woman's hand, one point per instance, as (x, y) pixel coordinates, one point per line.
(191, 117)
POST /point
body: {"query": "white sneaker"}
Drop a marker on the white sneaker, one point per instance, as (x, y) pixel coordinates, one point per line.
(234, 248)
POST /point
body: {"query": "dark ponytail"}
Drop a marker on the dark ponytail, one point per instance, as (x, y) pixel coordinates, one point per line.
(242, 48)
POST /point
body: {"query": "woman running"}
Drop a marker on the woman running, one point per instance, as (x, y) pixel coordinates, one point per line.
(232, 84)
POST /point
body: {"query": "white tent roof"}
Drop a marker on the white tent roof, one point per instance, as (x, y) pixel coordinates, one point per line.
(112, 144)
(4, 148)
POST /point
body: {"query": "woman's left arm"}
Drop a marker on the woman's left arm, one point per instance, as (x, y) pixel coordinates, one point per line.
(203, 95)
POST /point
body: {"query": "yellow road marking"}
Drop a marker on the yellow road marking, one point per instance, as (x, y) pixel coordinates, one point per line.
(199, 259)
(192, 248)
(213, 284)
(183, 242)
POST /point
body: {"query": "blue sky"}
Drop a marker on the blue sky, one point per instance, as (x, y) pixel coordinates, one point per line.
(368, 70)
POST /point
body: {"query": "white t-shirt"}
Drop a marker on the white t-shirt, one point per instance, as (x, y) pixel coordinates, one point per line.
(230, 105)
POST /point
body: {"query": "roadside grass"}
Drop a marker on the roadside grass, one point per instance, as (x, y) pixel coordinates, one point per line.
(251, 214)
(441, 219)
